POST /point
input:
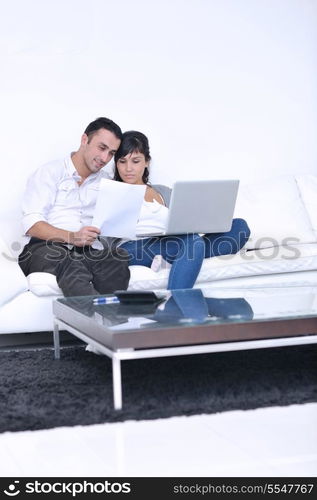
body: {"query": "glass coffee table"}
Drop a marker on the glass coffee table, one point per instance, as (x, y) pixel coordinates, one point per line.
(186, 322)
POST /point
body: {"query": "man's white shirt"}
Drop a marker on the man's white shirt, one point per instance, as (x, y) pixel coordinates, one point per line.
(53, 195)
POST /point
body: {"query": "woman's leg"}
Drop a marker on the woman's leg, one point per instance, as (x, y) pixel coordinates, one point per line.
(141, 252)
(227, 243)
(184, 252)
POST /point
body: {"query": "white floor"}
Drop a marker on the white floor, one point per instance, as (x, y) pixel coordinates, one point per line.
(267, 442)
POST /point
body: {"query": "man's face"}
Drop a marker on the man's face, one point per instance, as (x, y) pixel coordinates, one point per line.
(99, 149)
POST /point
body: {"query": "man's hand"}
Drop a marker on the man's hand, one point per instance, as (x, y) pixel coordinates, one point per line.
(85, 236)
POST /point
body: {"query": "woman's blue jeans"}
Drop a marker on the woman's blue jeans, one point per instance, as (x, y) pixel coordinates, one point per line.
(186, 252)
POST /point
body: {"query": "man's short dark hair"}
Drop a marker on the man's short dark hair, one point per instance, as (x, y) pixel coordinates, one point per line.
(106, 123)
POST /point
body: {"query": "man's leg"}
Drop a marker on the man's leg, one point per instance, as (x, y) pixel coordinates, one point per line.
(109, 269)
(227, 243)
(72, 275)
(42, 256)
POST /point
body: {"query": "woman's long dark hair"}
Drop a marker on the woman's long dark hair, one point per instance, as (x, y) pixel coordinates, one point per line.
(133, 142)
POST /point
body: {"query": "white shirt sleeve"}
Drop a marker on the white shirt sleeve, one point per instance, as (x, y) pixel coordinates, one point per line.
(40, 193)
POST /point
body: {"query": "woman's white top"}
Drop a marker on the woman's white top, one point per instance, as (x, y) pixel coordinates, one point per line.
(152, 219)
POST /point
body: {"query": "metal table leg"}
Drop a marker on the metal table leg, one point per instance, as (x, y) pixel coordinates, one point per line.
(57, 350)
(117, 384)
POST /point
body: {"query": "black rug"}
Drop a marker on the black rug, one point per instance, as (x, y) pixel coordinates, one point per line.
(38, 392)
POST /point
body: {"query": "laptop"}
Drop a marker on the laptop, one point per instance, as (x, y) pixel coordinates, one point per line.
(200, 207)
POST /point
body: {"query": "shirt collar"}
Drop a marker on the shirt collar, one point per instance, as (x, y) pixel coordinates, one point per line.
(72, 172)
(70, 167)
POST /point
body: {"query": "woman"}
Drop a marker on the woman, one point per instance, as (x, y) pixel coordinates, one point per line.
(184, 252)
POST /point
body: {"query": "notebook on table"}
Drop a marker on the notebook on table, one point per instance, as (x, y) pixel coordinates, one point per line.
(200, 207)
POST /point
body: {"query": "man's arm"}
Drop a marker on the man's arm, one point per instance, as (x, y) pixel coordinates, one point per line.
(45, 231)
(38, 200)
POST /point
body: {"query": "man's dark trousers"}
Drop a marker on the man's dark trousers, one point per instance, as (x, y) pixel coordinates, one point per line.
(79, 270)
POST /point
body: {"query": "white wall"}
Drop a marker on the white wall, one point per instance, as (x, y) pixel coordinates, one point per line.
(223, 88)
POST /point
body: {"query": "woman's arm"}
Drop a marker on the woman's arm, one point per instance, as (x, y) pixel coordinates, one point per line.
(164, 191)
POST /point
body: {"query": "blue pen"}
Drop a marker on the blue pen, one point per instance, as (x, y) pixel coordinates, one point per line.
(105, 300)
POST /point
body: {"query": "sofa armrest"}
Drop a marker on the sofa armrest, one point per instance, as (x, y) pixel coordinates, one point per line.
(13, 281)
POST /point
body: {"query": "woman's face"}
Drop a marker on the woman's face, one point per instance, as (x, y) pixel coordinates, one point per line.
(131, 167)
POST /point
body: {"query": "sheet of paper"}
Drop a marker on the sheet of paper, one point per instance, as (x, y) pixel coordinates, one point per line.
(118, 208)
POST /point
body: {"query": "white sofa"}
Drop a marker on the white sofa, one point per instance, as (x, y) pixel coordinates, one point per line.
(282, 251)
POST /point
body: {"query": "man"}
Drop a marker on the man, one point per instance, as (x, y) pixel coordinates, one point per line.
(58, 208)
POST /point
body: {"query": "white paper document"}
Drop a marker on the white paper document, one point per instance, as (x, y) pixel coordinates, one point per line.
(118, 208)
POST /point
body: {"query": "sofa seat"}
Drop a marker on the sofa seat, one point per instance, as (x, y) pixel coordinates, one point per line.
(265, 261)
(281, 252)
(244, 264)
(28, 312)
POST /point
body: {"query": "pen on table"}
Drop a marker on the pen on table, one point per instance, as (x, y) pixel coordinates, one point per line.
(105, 300)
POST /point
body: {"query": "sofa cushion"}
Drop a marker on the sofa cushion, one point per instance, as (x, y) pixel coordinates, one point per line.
(26, 313)
(266, 261)
(13, 281)
(275, 213)
(44, 284)
(273, 260)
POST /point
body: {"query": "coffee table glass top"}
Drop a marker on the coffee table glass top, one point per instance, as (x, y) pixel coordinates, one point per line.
(190, 322)
(206, 306)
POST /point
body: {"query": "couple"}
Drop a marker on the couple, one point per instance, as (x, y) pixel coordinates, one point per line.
(58, 208)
